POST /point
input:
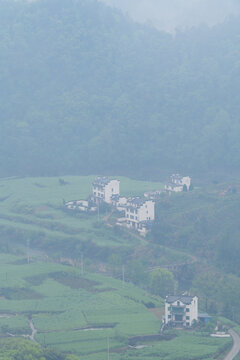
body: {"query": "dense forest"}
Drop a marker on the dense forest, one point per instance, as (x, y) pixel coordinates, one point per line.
(85, 90)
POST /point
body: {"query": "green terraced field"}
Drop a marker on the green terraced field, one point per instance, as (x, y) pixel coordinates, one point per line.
(31, 211)
(65, 305)
(32, 208)
(77, 314)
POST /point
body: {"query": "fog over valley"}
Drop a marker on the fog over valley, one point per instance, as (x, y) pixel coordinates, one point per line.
(177, 14)
(119, 179)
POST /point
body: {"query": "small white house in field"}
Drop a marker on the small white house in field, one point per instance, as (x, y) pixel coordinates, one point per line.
(181, 310)
(153, 195)
(104, 189)
(177, 183)
(80, 205)
(139, 214)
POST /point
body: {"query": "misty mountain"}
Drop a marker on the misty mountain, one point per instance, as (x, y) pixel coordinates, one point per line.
(83, 89)
(177, 14)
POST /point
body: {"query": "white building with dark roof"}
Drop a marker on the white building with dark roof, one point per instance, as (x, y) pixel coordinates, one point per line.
(139, 214)
(104, 189)
(177, 183)
(181, 310)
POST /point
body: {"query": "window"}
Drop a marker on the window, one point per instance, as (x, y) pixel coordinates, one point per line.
(187, 309)
(187, 323)
(187, 317)
(178, 303)
(169, 308)
(169, 316)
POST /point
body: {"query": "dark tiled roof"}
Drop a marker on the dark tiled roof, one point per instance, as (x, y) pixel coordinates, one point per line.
(174, 185)
(185, 299)
(137, 201)
(101, 181)
(115, 197)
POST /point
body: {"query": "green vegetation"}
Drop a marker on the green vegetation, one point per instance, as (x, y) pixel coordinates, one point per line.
(72, 311)
(205, 223)
(31, 212)
(187, 346)
(161, 282)
(165, 102)
(12, 349)
(77, 314)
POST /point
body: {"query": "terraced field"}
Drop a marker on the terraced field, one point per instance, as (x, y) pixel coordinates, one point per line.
(31, 208)
(63, 308)
(72, 313)
(81, 314)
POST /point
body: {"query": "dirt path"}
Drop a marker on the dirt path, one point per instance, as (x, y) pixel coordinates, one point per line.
(236, 346)
(32, 336)
(34, 331)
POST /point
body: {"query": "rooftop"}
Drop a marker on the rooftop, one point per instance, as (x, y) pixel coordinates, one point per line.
(137, 201)
(172, 184)
(101, 181)
(176, 176)
(185, 299)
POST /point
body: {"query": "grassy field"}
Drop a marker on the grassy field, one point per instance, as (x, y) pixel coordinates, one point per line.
(31, 210)
(76, 313)
(34, 192)
(72, 313)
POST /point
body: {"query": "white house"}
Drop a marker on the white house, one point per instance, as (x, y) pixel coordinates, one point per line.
(139, 214)
(104, 189)
(80, 205)
(153, 195)
(181, 310)
(177, 183)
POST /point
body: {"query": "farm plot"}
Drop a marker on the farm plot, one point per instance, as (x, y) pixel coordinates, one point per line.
(186, 345)
(31, 208)
(72, 312)
(82, 314)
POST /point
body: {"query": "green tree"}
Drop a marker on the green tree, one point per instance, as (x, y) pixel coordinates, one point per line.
(161, 282)
(136, 272)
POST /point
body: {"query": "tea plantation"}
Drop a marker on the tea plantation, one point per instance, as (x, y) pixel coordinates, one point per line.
(80, 314)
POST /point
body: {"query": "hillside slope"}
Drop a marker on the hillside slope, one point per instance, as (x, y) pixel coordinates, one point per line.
(85, 90)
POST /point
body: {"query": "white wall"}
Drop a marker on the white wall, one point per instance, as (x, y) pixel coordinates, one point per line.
(193, 311)
(147, 211)
(112, 188)
(186, 181)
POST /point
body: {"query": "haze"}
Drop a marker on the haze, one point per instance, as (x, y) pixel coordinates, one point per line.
(177, 14)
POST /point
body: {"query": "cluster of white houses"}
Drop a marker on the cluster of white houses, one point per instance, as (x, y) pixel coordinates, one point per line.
(139, 213)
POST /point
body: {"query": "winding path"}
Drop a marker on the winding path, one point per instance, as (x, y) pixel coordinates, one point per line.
(236, 346)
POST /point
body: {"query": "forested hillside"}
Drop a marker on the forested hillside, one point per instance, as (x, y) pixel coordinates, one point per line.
(85, 90)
